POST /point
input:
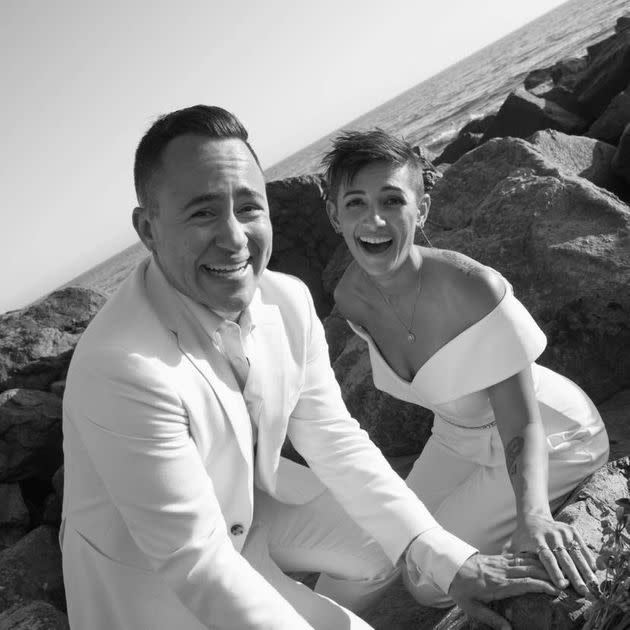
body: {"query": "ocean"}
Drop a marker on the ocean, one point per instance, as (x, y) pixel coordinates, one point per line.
(432, 112)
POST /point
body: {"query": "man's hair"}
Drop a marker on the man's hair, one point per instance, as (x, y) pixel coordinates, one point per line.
(353, 150)
(203, 120)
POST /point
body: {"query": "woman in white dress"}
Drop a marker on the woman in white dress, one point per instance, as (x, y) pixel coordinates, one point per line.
(510, 437)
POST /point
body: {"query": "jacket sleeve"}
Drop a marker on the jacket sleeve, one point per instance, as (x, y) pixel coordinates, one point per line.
(135, 430)
(354, 469)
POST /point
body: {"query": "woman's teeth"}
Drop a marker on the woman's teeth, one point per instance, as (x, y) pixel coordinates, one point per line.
(375, 244)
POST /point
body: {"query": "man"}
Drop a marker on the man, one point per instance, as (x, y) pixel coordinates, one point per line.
(180, 394)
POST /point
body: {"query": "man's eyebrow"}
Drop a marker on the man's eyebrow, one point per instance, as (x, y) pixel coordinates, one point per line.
(213, 196)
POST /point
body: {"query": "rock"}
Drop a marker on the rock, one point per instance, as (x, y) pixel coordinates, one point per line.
(522, 114)
(623, 23)
(580, 156)
(616, 414)
(304, 239)
(607, 73)
(621, 159)
(396, 427)
(37, 615)
(30, 434)
(58, 388)
(561, 241)
(464, 142)
(57, 481)
(564, 73)
(36, 342)
(31, 570)
(14, 515)
(567, 100)
(611, 123)
(52, 509)
(479, 125)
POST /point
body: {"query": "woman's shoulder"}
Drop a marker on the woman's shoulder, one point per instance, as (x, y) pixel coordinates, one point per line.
(476, 289)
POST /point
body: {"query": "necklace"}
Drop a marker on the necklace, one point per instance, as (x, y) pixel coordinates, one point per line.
(411, 337)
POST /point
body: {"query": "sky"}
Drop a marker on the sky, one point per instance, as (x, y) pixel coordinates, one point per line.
(83, 80)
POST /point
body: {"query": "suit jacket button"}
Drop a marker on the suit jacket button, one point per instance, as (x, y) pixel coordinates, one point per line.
(237, 529)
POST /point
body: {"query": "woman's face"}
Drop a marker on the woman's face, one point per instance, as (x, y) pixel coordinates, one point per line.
(377, 213)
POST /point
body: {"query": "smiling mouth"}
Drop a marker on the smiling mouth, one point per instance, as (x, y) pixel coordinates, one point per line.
(374, 244)
(228, 271)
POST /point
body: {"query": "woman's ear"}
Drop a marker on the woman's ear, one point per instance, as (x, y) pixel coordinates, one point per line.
(423, 209)
(333, 215)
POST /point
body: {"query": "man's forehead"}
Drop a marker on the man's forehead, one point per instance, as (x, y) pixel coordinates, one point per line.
(194, 148)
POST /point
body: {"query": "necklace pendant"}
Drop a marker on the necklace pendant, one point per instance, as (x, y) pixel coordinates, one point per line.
(411, 337)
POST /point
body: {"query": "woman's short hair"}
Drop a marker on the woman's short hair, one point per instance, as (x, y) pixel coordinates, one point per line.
(203, 120)
(353, 150)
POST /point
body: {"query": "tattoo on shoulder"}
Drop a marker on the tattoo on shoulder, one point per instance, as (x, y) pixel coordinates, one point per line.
(512, 451)
(467, 265)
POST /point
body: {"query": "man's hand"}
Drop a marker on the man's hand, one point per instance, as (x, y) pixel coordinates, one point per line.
(486, 578)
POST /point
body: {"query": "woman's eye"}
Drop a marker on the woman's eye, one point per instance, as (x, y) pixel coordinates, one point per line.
(354, 202)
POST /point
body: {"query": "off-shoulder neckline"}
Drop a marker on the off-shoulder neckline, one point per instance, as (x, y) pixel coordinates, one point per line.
(362, 332)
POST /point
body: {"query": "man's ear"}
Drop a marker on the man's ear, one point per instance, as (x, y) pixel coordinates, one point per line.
(423, 209)
(333, 215)
(142, 223)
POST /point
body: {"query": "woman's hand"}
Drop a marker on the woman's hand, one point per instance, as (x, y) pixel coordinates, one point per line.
(560, 549)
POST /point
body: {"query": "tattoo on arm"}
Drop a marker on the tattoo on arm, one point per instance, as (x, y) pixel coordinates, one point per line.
(467, 265)
(512, 451)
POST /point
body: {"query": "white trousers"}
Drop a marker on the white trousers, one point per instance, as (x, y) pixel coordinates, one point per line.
(318, 536)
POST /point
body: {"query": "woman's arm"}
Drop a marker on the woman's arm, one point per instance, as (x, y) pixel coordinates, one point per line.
(558, 545)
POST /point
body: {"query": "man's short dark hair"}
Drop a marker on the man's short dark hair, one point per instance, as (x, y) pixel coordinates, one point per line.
(203, 120)
(353, 150)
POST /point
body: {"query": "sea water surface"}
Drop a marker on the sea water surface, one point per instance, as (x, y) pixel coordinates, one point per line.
(432, 112)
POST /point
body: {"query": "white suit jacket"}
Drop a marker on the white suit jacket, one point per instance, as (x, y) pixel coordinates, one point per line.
(159, 466)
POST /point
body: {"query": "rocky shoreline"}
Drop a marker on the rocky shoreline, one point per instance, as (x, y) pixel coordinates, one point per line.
(538, 190)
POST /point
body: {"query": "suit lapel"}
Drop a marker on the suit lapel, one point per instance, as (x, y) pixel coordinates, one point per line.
(199, 350)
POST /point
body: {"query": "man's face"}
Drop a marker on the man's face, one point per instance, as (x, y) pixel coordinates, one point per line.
(211, 232)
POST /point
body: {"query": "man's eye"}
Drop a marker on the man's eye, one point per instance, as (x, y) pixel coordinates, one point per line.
(201, 214)
(249, 208)
(394, 201)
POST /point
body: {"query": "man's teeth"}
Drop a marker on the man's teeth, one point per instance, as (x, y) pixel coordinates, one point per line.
(227, 268)
(375, 240)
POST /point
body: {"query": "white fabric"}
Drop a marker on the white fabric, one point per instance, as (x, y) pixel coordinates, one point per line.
(159, 466)
(460, 475)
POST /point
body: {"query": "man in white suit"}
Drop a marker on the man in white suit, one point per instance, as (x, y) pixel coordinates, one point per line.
(178, 511)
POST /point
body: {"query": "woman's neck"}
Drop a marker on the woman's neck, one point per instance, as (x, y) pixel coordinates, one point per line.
(403, 280)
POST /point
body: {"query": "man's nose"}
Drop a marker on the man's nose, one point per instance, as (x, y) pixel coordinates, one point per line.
(232, 233)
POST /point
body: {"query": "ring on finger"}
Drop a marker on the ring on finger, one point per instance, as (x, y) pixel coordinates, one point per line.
(542, 548)
(574, 546)
(558, 548)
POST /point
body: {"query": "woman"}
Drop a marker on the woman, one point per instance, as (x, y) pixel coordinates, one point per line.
(447, 333)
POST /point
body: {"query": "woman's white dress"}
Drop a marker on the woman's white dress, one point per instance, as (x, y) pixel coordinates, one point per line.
(461, 474)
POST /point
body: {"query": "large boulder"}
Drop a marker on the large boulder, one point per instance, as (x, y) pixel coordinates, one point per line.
(31, 570)
(621, 159)
(304, 239)
(522, 114)
(14, 515)
(564, 244)
(36, 342)
(607, 73)
(580, 156)
(36, 615)
(396, 427)
(613, 120)
(564, 73)
(616, 415)
(30, 434)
